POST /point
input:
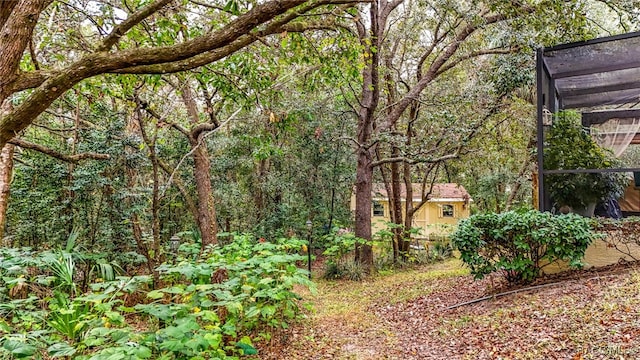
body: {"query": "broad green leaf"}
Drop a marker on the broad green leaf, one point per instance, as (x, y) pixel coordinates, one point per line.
(19, 349)
(247, 349)
(155, 294)
(61, 350)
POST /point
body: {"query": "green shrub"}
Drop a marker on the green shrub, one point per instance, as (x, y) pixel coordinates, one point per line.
(521, 243)
(353, 270)
(332, 271)
(347, 269)
(340, 244)
(440, 250)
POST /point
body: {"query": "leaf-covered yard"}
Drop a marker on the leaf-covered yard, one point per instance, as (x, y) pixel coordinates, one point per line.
(583, 315)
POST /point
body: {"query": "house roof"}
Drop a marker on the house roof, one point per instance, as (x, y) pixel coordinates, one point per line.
(439, 192)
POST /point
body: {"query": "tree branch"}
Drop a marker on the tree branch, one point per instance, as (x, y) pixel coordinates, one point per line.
(210, 6)
(194, 148)
(401, 159)
(55, 154)
(30, 80)
(436, 67)
(273, 13)
(131, 21)
(33, 79)
(496, 51)
(15, 36)
(144, 105)
(200, 128)
(6, 7)
(275, 27)
(410, 161)
(436, 40)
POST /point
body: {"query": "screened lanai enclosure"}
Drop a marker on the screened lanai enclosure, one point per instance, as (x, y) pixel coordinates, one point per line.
(600, 79)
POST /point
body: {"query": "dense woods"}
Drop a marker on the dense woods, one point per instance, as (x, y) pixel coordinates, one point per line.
(163, 156)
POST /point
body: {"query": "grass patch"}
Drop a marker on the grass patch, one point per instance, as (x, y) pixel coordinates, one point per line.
(348, 304)
(339, 297)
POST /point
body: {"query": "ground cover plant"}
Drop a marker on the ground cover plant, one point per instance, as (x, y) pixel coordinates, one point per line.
(212, 305)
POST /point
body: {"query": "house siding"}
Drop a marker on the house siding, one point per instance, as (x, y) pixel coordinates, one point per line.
(598, 254)
(428, 218)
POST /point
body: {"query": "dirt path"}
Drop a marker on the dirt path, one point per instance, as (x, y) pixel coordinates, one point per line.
(404, 316)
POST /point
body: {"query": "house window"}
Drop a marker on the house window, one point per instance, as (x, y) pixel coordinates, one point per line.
(378, 209)
(447, 210)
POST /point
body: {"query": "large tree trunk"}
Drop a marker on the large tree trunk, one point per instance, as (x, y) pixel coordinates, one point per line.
(6, 168)
(364, 185)
(17, 21)
(6, 172)
(369, 99)
(206, 205)
(6, 7)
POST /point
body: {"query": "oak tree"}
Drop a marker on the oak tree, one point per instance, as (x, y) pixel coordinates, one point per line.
(109, 37)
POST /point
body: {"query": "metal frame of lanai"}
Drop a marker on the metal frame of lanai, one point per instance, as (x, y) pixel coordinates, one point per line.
(599, 77)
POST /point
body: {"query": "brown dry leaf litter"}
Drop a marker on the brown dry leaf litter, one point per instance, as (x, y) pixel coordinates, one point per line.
(586, 315)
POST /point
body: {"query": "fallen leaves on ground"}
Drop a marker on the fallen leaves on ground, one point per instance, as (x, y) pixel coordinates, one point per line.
(582, 315)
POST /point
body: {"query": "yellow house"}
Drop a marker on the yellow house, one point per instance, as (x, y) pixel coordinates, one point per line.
(447, 203)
